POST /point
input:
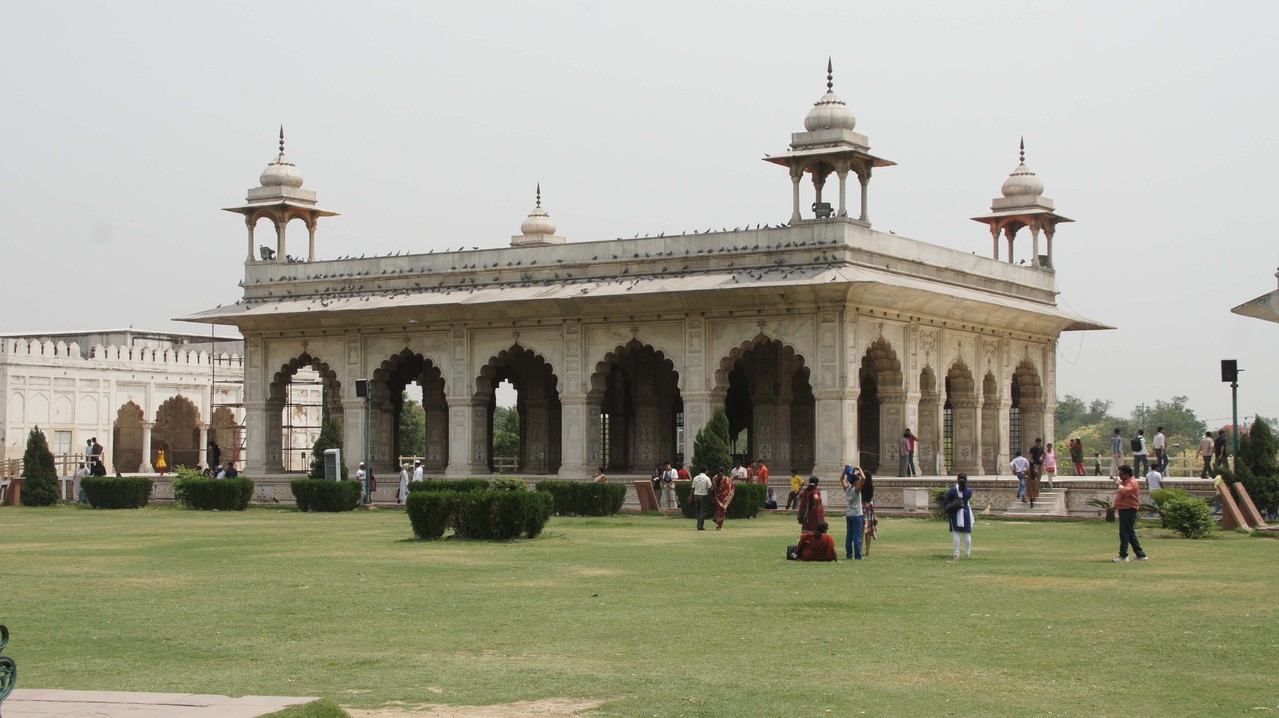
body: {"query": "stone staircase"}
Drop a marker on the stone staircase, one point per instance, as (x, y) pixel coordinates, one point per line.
(1051, 502)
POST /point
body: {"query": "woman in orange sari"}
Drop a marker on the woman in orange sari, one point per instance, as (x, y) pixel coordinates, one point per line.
(723, 497)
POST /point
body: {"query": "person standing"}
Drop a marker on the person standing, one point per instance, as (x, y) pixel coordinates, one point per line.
(215, 454)
(701, 489)
(723, 497)
(1050, 464)
(811, 511)
(1077, 455)
(1161, 450)
(870, 524)
(739, 472)
(402, 496)
(360, 474)
(796, 483)
(903, 451)
(669, 475)
(160, 464)
(1207, 447)
(1116, 452)
(853, 513)
(910, 454)
(1153, 481)
(418, 471)
(80, 472)
(761, 473)
(1020, 466)
(1126, 503)
(961, 519)
(1036, 462)
(1096, 463)
(1140, 462)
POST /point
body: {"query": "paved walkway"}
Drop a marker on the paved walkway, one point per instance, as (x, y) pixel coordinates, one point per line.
(41, 703)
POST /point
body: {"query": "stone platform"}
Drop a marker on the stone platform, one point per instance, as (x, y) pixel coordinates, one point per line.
(46, 703)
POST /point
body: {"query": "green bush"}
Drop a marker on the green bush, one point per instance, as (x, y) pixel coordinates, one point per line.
(581, 498)
(322, 495)
(507, 483)
(41, 485)
(937, 500)
(460, 485)
(214, 494)
(431, 512)
(1264, 490)
(330, 438)
(710, 446)
(116, 492)
(1189, 517)
(498, 515)
(748, 499)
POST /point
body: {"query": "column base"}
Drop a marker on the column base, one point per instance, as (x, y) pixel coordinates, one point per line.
(466, 471)
(576, 472)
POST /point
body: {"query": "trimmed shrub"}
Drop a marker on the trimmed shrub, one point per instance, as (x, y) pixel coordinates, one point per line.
(498, 515)
(214, 494)
(321, 495)
(41, 485)
(748, 499)
(582, 498)
(461, 485)
(1263, 489)
(937, 500)
(431, 512)
(116, 492)
(710, 446)
(1189, 517)
(330, 438)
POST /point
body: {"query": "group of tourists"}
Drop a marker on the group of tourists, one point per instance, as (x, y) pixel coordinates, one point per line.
(1030, 472)
(815, 542)
(718, 490)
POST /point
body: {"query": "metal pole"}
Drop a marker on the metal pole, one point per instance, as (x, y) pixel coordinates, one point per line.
(1234, 419)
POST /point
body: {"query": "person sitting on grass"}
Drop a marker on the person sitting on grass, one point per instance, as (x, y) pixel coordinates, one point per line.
(816, 545)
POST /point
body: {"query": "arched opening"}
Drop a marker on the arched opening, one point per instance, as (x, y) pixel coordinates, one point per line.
(879, 377)
(397, 411)
(176, 434)
(228, 433)
(928, 435)
(770, 405)
(303, 395)
(1025, 416)
(639, 408)
(960, 418)
(126, 439)
(537, 403)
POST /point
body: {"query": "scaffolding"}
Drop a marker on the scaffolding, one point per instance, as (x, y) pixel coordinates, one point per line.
(219, 425)
(302, 420)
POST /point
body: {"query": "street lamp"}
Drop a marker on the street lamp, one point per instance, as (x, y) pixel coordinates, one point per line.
(1230, 372)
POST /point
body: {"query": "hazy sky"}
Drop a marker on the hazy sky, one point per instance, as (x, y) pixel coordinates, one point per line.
(128, 125)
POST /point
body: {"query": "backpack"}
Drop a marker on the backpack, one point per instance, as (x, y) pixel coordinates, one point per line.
(1136, 443)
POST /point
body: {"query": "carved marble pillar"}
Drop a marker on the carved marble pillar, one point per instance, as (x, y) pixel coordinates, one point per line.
(835, 432)
(468, 437)
(201, 448)
(645, 451)
(796, 176)
(892, 422)
(385, 452)
(698, 407)
(928, 436)
(990, 433)
(1032, 425)
(353, 450)
(146, 467)
(535, 420)
(578, 450)
(966, 428)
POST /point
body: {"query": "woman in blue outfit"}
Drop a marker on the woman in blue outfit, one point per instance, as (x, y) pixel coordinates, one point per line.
(961, 519)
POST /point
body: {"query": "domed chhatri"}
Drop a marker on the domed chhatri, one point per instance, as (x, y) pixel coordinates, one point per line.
(1022, 182)
(538, 229)
(538, 221)
(281, 172)
(830, 112)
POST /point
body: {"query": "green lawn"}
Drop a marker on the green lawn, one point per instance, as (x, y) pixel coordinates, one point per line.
(659, 619)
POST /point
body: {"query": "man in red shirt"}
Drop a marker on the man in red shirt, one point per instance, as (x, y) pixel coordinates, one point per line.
(761, 473)
(1127, 503)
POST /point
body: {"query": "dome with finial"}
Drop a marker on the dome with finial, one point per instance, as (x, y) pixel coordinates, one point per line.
(538, 221)
(1022, 182)
(281, 172)
(829, 112)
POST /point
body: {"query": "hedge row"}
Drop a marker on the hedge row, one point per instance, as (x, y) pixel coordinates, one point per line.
(462, 485)
(584, 498)
(213, 494)
(748, 499)
(500, 515)
(324, 495)
(116, 492)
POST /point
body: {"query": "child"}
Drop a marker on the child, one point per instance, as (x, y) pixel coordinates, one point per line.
(1096, 464)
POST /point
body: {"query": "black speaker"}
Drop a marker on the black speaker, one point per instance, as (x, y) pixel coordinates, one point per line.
(362, 387)
(1229, 370)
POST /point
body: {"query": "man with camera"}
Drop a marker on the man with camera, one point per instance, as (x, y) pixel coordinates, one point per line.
(853, 480)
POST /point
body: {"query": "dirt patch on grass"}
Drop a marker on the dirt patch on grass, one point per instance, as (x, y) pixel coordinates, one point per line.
(545, 708)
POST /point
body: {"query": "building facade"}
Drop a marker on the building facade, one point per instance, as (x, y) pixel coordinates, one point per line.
(137, 392)
(823, 338)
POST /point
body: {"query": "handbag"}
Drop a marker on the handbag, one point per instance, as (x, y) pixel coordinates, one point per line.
(953, 505)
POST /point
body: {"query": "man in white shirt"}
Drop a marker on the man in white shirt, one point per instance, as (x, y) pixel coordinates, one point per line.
(669, 477)
(1207, 448)
(1153, 481)
(701, 492)
(359, 475)
(1140, 458)
(402, 496)
(739, 472)
(1161, 450)
(1020, 466)
(417, 471)
(80, 473)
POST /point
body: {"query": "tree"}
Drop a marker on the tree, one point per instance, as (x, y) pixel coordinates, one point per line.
(330, 438)
(1257, 466)
(412, 427)
(1180, 424)
(710, 448)
(41, 487)
(506, 431)
(1073, 416)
